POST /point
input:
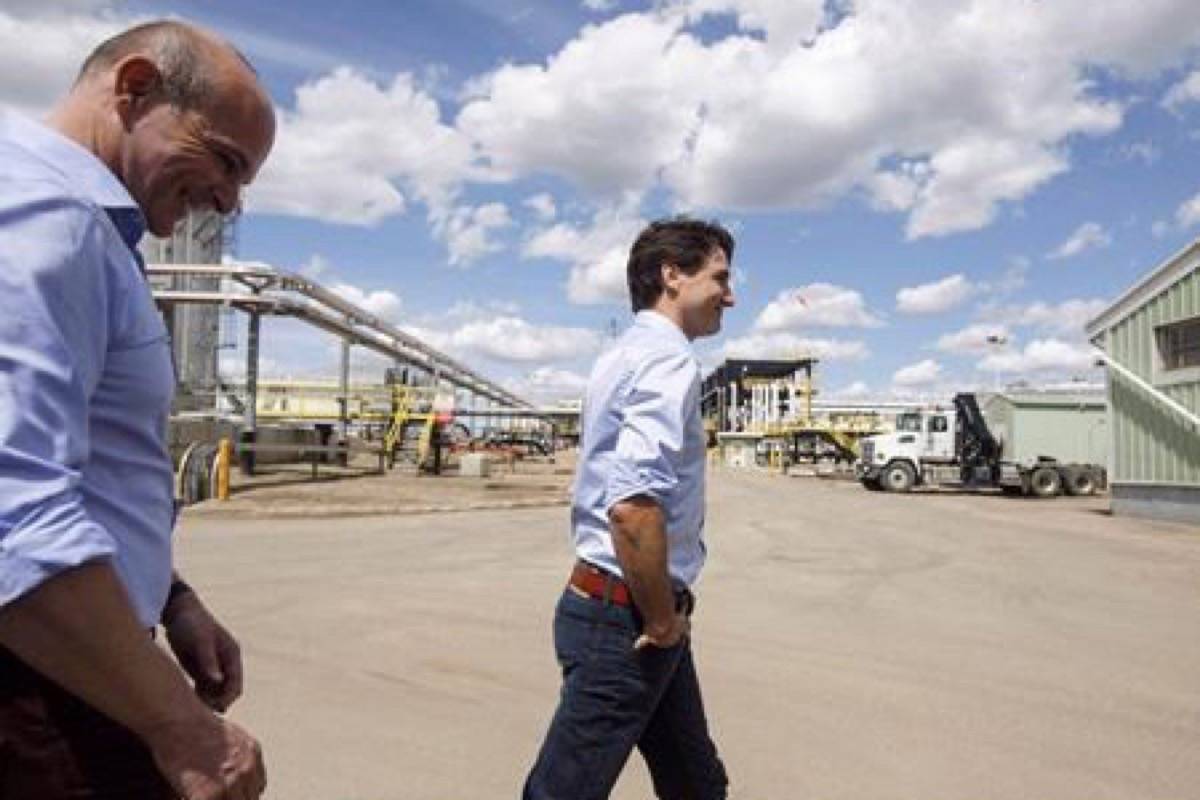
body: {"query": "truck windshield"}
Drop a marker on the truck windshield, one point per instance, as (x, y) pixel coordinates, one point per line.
(909, 422)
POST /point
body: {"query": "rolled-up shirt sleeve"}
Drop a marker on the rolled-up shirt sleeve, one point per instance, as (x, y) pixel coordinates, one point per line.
(653, 428)
(54, 313)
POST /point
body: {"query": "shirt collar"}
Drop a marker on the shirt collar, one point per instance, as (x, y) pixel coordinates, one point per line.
(88, 175)
(650, 318)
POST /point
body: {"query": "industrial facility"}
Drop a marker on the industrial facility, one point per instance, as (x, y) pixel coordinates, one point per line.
(203, 297)
(758, 412)
(1150, 337)
(761, 412)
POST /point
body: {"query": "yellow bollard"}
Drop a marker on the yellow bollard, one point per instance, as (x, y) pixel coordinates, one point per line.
(224, 461)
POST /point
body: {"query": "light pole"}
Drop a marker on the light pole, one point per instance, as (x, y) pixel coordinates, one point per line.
(998, 340)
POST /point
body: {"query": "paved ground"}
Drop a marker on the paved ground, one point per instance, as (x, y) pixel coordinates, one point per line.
(851, 644)
(291, 491)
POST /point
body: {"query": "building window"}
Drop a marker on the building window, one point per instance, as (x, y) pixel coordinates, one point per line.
(1179, 345)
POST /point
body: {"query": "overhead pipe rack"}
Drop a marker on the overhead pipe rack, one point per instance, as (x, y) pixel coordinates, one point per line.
(280, 293)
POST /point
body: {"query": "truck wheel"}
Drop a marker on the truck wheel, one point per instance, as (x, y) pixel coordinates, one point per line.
(898, 477)
(872, 484)
(1080, 481)
(1045, 482)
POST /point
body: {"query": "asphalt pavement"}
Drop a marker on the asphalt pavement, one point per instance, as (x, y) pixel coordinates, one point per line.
(851, 645)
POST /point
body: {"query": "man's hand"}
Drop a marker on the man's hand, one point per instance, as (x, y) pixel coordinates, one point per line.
(666, 636)
(209, 759)
(640, 542)
(79, 630)
(206, 651)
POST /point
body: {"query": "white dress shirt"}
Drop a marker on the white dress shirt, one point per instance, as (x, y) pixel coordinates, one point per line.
(642, 434)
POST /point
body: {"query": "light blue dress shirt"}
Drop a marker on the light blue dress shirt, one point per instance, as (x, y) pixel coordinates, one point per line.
(642, 435)
(86, 378)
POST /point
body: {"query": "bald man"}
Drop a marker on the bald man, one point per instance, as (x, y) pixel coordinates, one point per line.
(162, 118)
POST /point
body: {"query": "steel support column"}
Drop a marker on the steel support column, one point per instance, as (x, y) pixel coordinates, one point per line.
(250, 427)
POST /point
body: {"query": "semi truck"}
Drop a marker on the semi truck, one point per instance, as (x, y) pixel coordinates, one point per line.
(1039, 446)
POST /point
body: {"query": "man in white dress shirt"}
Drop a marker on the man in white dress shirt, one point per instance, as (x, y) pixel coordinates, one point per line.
(622, 625)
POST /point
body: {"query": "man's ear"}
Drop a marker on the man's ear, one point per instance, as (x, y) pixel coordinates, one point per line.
(136, 84)
(671, 275)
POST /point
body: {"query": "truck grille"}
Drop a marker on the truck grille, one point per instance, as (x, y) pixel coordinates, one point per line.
(868, 452)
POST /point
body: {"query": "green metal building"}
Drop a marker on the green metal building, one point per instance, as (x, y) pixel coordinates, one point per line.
(1071, 427)
(1151, 340)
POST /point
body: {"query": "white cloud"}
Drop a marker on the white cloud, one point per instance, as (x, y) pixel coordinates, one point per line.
(380, 302)
(1042, 355)
(42, 46)
(472, 311)
(922, 373)
(971, 176)
(231, 366)
(512, 339)
(548, 385)
(855, 391)
(1066, 318)
(786, 23)
(898, 190)
(55, 8)
(789, 345)
(350, 149)
(599, 5)
(1188, 214)
(1088, 236)
(980, 338)
(607, 111)
(816, 305)
(1013, 278)
(791, 114)
(598, 253)
(871, 90)
(467, 230)
(543, 206)
(1182, 93)
(288, 348)
(933, 298)
(807, 102)
(315, 267)
(1146, 152)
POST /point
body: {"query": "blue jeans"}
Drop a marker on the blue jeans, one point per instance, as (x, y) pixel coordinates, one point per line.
(614, 698)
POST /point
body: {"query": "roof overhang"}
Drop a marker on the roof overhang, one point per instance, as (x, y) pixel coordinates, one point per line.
(1150, 286)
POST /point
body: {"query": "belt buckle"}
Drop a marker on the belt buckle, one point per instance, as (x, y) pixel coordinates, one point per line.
(608, 589)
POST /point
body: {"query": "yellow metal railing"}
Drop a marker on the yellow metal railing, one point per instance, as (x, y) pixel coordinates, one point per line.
(845, 433)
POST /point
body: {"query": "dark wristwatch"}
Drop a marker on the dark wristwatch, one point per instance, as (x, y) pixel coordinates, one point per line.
(179, 587)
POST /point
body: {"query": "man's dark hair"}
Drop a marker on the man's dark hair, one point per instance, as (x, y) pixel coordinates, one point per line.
(177, 50)
(687, 243)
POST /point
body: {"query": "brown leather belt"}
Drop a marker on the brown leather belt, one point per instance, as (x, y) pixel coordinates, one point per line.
(595, 582)
(600, 585)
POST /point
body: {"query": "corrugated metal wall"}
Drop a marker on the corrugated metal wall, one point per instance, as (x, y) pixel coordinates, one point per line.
(1029, 428)
(195, 329)
(1150, 445)
(1068, 434)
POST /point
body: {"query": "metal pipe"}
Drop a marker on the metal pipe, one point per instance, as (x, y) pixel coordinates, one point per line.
(1153, 392)
(365, 328)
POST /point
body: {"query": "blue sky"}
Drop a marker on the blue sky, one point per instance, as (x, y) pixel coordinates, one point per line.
(904, 177)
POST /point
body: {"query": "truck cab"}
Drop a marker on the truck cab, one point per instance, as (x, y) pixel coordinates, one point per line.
(895, 461)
